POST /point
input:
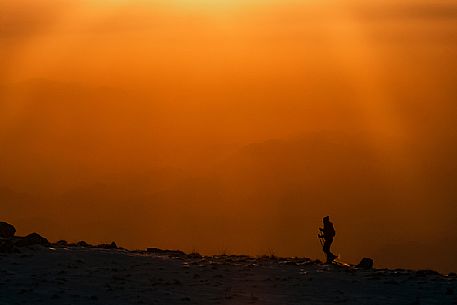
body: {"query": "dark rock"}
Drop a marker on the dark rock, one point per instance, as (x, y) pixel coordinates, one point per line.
(427, 272)
(83, 244)
(31, 240)
(194, 255)
(62, 243)
(366, 263)
(165, 252)
(7, 230)
(108, 246)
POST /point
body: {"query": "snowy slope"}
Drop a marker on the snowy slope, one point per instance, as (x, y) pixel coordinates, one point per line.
(100, 276)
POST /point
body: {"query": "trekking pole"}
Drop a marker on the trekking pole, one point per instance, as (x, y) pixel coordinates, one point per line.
(320, 239)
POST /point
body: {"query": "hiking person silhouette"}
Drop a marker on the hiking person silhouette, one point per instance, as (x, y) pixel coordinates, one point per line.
(327, 233)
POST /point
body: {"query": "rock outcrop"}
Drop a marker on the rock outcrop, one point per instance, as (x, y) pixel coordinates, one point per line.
(366, 263)
(165, 252)
(83, 244)
(7, 230)
(61, 243)
(107, 246)
(32, 240)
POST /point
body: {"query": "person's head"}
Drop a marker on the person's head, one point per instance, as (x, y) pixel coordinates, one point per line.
(326, 219)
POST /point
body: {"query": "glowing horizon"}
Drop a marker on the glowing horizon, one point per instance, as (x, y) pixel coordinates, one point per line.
(220, 119)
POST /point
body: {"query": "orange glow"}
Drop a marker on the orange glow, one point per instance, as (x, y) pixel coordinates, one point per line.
(233, 125)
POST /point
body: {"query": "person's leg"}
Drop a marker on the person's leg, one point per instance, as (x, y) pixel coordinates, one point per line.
(327, 245)
(326, 249)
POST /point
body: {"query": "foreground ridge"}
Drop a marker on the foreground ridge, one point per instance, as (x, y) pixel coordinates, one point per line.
(89, 275)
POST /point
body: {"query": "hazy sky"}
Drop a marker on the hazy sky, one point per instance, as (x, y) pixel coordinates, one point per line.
(233, 126)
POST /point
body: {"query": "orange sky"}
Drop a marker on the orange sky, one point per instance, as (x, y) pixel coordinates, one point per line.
(233, 126)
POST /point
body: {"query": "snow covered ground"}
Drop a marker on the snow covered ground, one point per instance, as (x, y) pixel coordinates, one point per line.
(99, 276)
